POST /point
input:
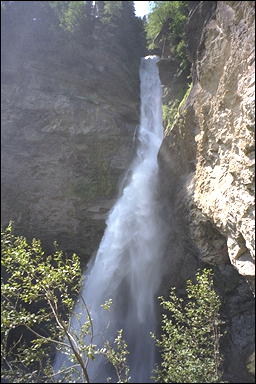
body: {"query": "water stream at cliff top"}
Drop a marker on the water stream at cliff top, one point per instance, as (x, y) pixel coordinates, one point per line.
(128, 267)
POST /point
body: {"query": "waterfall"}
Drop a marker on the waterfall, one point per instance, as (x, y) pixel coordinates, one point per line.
(128, 267)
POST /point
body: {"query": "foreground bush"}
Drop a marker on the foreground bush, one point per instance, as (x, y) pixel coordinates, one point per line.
(189, 344)
(37, 298)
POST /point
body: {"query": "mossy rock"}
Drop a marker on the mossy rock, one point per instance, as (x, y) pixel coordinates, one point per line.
(251, 364)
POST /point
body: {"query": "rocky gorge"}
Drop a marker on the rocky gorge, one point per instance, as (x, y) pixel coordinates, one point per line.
(70, 111)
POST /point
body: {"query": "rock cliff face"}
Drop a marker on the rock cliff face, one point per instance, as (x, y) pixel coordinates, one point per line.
(213, 139)
(224, 177)
(69, 113)
(209, 155)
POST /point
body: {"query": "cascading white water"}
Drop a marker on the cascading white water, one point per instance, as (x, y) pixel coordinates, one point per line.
(128, 266)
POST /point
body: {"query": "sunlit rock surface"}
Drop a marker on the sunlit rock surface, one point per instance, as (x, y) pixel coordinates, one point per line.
(209, 152)
(224, 106)
(213, 140)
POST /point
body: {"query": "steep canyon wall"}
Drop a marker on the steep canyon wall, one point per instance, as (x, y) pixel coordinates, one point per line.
(70, 107)
(208, 154)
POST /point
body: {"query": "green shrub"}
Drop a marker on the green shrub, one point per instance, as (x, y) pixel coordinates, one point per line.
(189, 344)
(184, 99)
(172, 110)
(170, 113)
(37, 298)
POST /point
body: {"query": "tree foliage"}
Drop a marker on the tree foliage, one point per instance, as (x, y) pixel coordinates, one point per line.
(121, 19)
(189, 344)
(37, 294)
(37, 298)
(117, 356)
(166, 27)
(45, 23)
(74, 16)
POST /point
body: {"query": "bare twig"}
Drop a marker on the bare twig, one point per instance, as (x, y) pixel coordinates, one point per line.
(71, 339)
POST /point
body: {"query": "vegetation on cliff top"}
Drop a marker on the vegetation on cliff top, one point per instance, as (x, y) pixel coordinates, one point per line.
(165, 29)
(49, 21)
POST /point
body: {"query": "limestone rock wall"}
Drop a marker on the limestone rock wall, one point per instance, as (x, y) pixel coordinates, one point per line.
(212, 142)
(224, 106)
(69, 113)
(207, 165)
